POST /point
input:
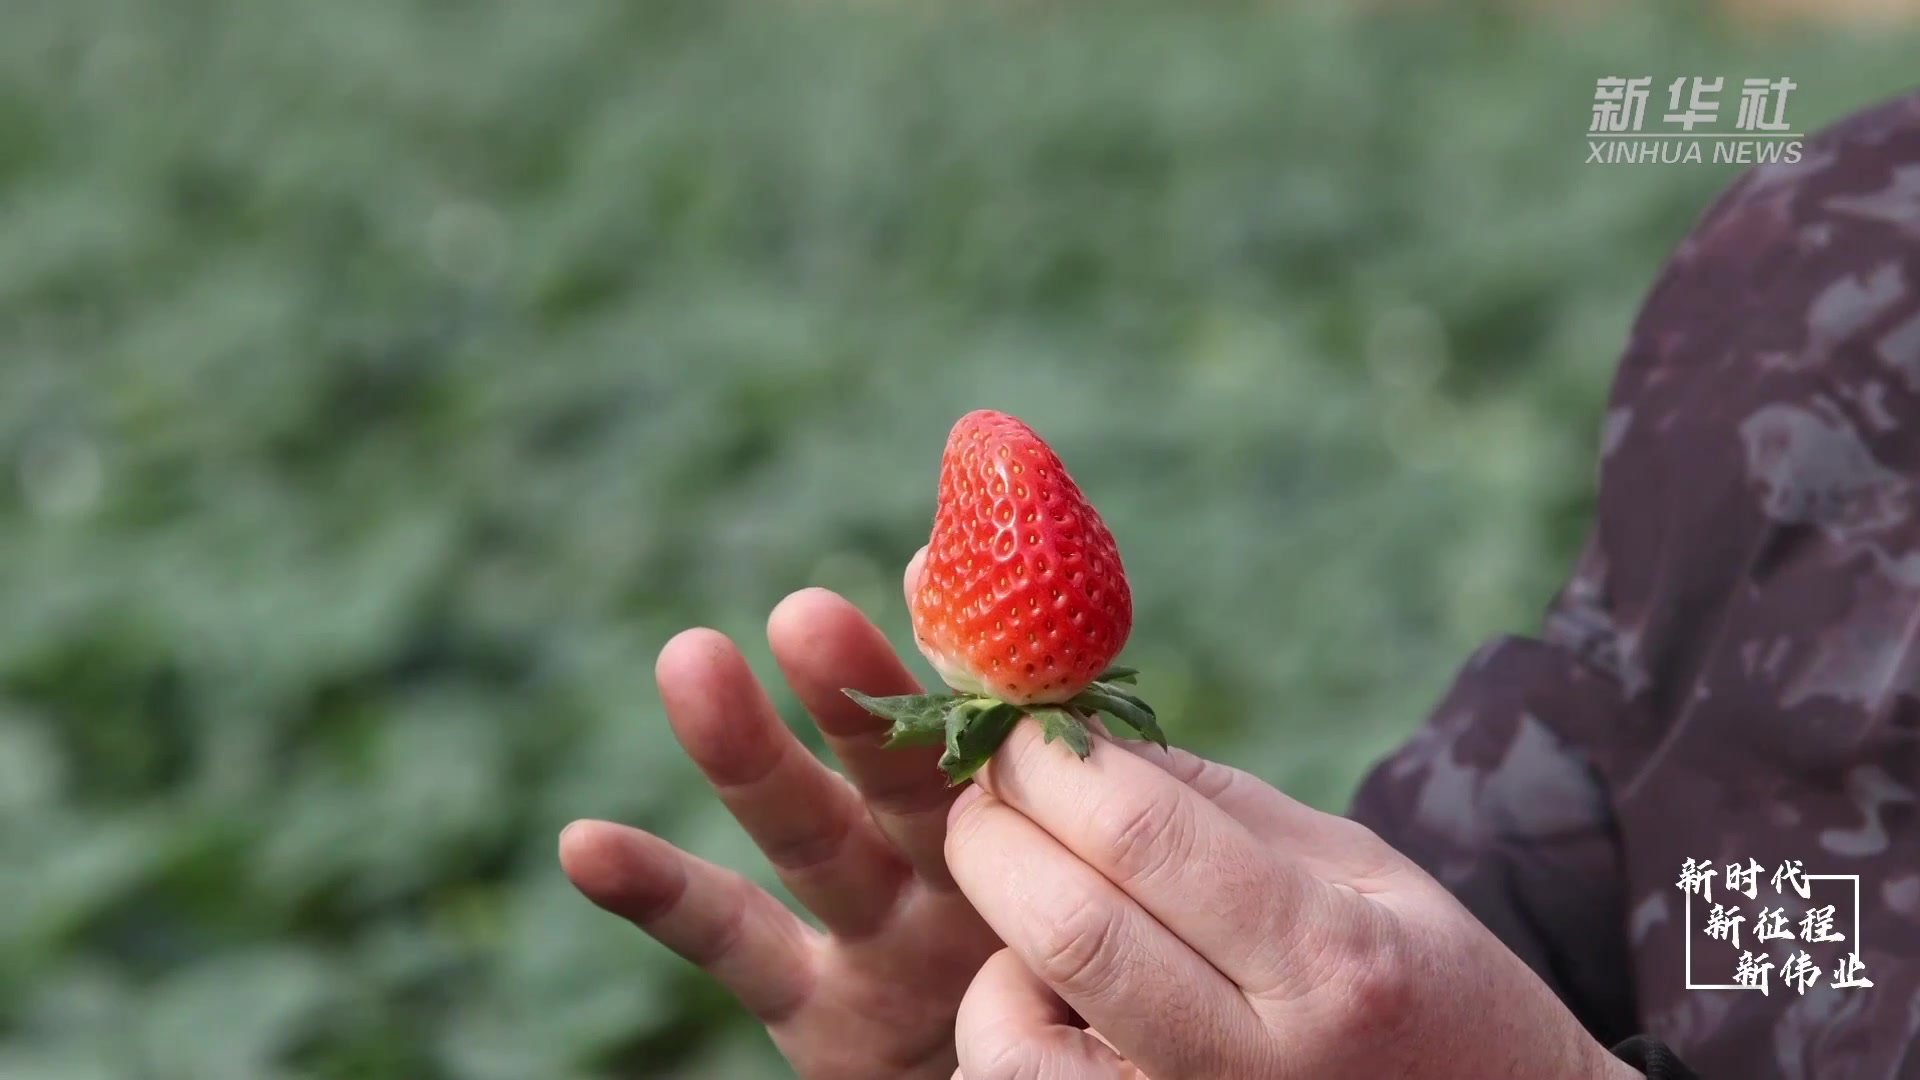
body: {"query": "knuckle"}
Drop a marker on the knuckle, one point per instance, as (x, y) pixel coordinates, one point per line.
(1371, 859)
(722, 937)
(1366, 985)
(645, 906)
(1382, 996)
(905, 799)
(1012, 1061)
(1314, 950)
(964, 821)
(1339, 942)
(1145, 835)
(811, 847)
(1353, 832)
(1078, 954)
(1205, 776)
(1213, 780)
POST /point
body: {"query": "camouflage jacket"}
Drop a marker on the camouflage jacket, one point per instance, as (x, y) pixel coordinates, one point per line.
(1732, 674)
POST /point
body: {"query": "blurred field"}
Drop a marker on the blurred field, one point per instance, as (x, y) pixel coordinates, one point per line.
(382, 383)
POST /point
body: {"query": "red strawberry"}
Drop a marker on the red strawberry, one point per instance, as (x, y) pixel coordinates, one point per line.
(1022, 603)
(1022, 597)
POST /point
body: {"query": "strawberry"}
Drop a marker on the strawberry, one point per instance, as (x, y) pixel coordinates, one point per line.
(1022, 604)
(1022, 597)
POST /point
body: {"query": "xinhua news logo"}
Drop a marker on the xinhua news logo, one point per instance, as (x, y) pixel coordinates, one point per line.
(1691, 129)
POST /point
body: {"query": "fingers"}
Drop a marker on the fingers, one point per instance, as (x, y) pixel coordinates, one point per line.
(805, 818)
(1252, 911)
(824, 644)
(1328, 846)
(1011, 1024)
(1160, 1004)
(715, 918)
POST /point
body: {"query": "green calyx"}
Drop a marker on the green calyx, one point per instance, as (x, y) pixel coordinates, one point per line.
(972, 727)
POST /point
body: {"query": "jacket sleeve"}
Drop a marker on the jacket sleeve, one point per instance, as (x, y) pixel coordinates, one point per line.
(1493, 797)
(1749, 583)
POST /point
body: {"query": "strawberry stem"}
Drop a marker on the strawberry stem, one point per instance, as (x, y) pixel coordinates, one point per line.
(971, 727)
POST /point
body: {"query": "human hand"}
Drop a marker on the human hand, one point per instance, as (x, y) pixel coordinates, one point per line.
(1202, 924)
(875, 994)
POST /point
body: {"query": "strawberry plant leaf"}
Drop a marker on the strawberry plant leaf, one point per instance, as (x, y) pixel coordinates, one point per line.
(1125, 693)
(1119, 674)
(975, 729)
(918, 719)
(1124, 707)
(919, 730)
(1064, 725)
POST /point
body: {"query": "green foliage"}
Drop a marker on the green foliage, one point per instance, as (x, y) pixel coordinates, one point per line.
(382, 382)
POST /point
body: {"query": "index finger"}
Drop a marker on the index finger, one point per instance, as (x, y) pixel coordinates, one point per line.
(824, 644)
(1254, 913)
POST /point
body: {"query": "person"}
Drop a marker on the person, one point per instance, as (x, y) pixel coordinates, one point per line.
(1730, 676)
